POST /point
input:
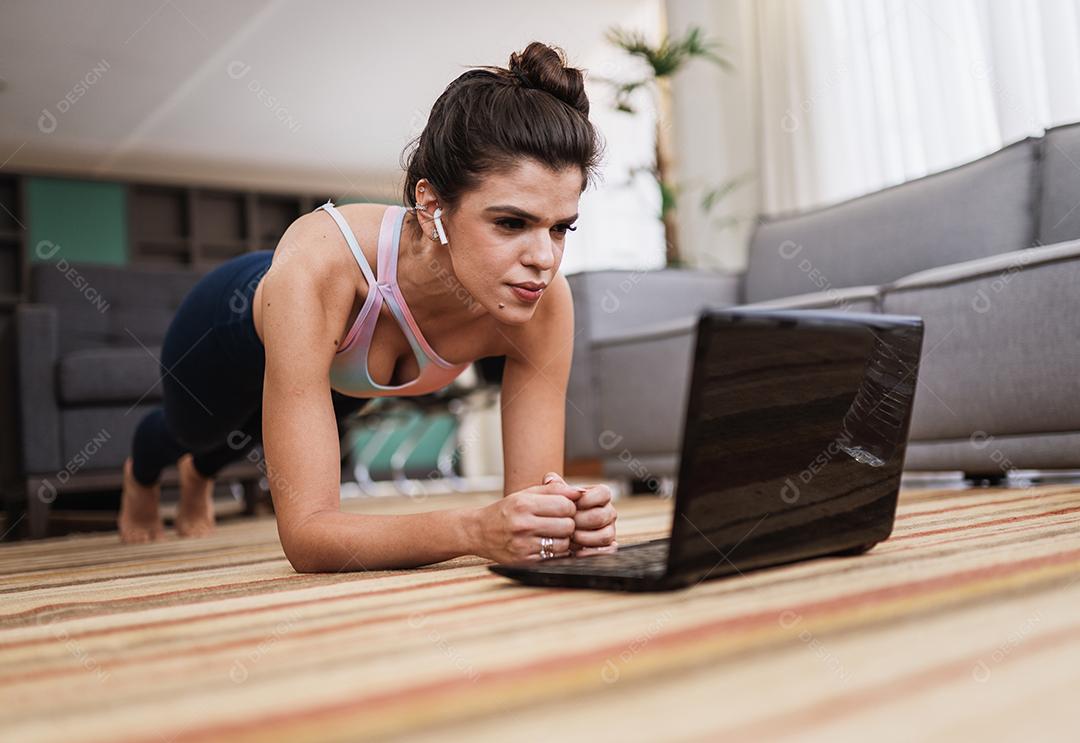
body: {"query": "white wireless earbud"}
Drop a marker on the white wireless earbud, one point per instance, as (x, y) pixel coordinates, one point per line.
(439, 227)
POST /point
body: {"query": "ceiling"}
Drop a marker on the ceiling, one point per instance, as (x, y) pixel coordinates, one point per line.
(291, 96)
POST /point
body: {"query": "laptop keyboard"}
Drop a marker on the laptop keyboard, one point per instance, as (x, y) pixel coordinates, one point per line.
(647, 558)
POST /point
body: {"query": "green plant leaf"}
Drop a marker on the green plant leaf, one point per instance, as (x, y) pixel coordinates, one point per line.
(668, 197)
(715, 195)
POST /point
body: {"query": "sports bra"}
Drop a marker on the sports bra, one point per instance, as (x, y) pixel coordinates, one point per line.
(349, 370)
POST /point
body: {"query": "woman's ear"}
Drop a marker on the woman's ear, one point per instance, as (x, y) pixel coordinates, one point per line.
(426, 194)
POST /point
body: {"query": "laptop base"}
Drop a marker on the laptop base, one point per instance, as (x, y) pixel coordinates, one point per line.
(580, 572)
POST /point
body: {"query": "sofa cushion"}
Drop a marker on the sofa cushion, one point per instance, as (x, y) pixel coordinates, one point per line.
(993, 454)
(37, 328)
(103, 305)
(609, 302)
(985, 207)
(644, 380)
(613, 302)
(98, 437)
(110, 374)
(853, 298)
(1059, 218)
(1000, 354)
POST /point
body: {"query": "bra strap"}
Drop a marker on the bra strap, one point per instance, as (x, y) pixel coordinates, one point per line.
(351, 239)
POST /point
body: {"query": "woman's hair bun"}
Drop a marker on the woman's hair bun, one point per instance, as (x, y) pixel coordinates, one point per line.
(491, 118)
(544, 67)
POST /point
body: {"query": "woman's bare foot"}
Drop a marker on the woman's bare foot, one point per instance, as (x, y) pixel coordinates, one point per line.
(139, 521)
(195, 513)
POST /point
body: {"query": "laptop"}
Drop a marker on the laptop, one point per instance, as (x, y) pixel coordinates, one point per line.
(794, 438)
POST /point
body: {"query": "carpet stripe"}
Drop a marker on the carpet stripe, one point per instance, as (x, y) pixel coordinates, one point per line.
(560, 668)
(953, 551)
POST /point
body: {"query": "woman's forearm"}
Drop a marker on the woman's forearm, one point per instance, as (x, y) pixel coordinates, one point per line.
(333, 541)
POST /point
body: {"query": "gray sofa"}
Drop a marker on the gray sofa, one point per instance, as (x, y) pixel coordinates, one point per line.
(988, 253)
(87, 347)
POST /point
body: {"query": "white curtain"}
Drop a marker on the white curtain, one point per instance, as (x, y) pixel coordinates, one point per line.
(856, 95)
(831, 99)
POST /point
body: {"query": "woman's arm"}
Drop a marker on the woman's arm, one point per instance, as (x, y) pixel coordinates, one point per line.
(533, 400)
(533, 393)
(303, 458)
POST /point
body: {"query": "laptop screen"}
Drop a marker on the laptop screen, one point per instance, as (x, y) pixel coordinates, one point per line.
(795, 435)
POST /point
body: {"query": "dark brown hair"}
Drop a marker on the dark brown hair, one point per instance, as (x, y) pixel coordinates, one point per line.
(490, 117)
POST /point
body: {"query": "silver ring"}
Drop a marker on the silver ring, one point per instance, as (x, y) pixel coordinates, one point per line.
(546, 543)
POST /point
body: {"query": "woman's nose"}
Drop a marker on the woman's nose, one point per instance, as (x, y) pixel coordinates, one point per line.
(542, 255)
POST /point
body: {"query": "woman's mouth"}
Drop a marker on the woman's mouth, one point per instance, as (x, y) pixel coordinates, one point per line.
(528, 292)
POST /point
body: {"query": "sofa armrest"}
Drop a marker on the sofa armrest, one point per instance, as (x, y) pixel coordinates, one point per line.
(650, 332)
(1002, 266)
(615, 303)
(999, 353)
(37, 349)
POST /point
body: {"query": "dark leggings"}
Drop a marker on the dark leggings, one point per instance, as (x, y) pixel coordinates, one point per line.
(212, 364)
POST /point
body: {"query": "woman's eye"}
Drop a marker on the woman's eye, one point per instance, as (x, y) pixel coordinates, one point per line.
(515, 224)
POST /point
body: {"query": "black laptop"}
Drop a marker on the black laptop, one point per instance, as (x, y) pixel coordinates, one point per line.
(794, 440)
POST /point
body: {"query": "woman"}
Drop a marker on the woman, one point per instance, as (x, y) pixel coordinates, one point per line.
(283, 345)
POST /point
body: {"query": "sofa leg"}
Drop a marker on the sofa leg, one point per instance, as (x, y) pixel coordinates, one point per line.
(37, 509)
(981, 480)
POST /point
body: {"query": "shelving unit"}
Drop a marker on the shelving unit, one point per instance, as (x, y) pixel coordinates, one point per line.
(273, 215)
(202, 227)
(159, 225)
(141, 224)
(13, 258)
(14, 277)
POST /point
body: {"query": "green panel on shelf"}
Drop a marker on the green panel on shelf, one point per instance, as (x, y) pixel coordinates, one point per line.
(78, 220)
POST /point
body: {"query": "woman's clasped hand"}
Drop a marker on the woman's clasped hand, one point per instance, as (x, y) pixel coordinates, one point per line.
(579, 521)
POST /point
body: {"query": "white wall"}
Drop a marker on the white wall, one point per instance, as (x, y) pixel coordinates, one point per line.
(715, 131)
(318, 96)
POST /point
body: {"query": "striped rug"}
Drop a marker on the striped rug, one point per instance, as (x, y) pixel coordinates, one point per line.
(965, 623)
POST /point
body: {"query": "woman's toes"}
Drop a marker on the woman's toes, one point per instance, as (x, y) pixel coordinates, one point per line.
(195, 512)
(135, 535)
(138, 521)
(194, 526)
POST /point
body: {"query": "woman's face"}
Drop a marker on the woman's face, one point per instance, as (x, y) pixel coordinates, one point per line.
(512, 230)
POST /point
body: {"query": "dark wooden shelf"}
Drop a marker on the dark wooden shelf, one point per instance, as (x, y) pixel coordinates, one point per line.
(179, 243)
(237, 244)
(14, 283)
(216, 252)
(11, 196)
(14, 262)
(202, 227)
(10, 281)
(274, 214)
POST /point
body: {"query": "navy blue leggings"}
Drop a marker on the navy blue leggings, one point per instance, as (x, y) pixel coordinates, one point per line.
(212, 364)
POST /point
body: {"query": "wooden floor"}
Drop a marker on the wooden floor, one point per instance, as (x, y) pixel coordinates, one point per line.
(965, 624)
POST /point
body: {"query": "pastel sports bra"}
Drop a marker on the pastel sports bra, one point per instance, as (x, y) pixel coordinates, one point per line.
(349, 370)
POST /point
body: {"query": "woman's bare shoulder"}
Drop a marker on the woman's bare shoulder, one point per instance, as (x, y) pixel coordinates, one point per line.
(321, 247)
(314, 266)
